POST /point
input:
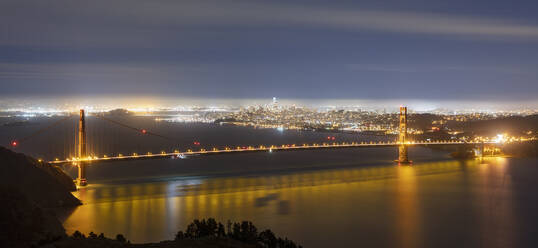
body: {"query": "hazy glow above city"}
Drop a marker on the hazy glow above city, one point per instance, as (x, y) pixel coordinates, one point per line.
(154, 103)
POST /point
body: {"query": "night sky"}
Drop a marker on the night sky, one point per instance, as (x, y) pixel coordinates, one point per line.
(431, 50)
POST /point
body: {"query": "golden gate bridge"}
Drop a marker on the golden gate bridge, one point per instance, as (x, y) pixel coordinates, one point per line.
(83, 157)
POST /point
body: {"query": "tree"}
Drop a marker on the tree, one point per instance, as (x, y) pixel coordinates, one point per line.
(220, 231)
(268, 239)
(211, 227)
(229, 228)
(120, 238)
(243, 231)
(286, 243)
(180, 235)
(249, 233)
(78, 235)
(236, 231)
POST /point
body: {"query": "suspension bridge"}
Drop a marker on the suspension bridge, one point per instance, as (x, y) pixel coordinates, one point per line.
(83, 157)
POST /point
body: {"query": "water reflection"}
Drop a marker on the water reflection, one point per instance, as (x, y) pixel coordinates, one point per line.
(497, 218)
(407, 214)
(378, 206)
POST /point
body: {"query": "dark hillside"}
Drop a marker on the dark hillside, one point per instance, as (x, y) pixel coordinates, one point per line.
(44, 184)
(23, 223)
(515, 125)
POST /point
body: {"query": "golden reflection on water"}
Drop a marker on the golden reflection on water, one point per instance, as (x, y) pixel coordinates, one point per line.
(407, 214)
(497, 217)
(381, 204)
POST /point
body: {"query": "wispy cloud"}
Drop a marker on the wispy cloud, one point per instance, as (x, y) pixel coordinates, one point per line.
(414, 68)
(141, 22)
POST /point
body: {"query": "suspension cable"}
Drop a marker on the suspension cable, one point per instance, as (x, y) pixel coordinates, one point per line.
(143, 131)
(39, 131)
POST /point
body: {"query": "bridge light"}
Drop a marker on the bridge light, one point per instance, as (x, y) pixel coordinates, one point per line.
(14, 143)
(39, 160)
(120, 155)
(144, 131)
(500, 138)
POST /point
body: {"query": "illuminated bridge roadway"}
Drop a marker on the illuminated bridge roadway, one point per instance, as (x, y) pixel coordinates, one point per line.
(239, 149)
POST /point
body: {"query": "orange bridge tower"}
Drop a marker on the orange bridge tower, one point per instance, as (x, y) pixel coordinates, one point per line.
(402, 139)
(81, 180)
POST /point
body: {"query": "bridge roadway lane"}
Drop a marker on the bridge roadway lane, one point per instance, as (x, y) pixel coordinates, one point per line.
(202, 151)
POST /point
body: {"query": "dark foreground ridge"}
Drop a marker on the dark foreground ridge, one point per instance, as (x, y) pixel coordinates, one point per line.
(43, 184)
(30, 190)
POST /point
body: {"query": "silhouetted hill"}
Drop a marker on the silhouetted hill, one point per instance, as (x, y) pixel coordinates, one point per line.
(23, 223)
(513, 125)
(43, 184)
(118, 112)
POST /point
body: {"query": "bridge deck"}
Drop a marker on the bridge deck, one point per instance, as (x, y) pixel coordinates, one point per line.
(258, 149)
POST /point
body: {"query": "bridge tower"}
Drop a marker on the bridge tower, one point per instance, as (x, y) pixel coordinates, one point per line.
(81, 180)
(402, 149)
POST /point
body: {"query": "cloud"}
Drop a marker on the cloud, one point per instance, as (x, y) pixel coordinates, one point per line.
(421, 68)
(149, 23)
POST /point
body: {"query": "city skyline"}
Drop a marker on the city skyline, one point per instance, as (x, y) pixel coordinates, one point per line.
(155, 103)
